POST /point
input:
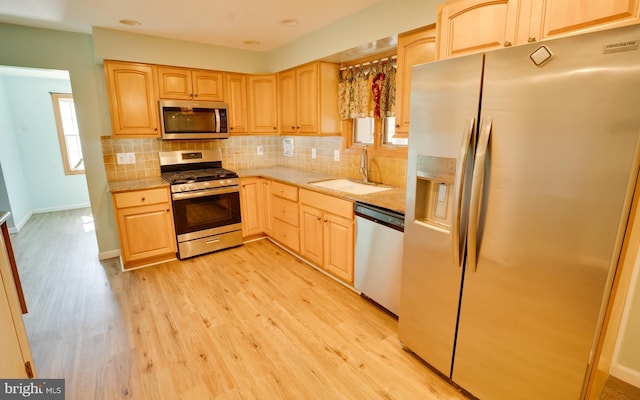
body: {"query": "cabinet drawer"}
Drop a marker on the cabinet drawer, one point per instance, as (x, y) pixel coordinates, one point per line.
(141, 198)
(286, 234)
(334, 205)
(286, 211)
(286, 191)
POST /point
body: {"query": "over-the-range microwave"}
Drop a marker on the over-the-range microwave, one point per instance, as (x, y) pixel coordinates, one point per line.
(192, 119)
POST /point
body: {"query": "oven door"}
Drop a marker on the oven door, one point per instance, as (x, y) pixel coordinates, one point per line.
(206, 212)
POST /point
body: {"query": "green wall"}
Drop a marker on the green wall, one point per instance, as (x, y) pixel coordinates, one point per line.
(42, 48)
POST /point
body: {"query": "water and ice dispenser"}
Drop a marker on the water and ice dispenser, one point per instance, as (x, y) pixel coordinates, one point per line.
(434, 191)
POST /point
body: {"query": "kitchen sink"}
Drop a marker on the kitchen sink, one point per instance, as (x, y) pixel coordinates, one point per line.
(348, 186)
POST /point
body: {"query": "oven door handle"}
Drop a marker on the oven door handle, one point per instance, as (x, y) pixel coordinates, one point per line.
(204, 193)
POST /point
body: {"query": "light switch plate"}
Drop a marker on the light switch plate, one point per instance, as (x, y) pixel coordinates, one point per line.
(314, 153)
(131, 158)
(121, 158)
(260, 150)
(336, 155)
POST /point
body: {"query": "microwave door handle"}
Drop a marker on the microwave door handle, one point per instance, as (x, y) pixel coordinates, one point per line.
(217, 113)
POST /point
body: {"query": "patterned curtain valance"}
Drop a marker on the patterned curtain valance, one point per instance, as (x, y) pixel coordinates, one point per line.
(368, 90)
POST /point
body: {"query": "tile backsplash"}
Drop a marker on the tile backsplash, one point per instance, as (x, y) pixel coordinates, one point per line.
(241, 152)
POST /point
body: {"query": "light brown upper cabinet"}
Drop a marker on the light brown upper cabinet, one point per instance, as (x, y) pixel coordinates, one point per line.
(131, 89)
(415, 47)
(187, 84)
(236, 94)
(469, 26)
(308, 99)
(555, 18)
(263, 104)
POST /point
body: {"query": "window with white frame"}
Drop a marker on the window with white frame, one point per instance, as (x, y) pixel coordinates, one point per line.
(68, 133)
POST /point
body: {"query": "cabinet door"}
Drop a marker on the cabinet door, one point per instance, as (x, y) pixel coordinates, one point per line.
(236, 94)
(288, 103)
(311, 234)
(174, 83)
(131, 89)
(308, 98)
(555, 18)
(250, 193)
(14, 344)
(414, 48)
(267, 215)
(263, 104)
(208, 85)
(470, 26)
(338, 252)
(145, 232)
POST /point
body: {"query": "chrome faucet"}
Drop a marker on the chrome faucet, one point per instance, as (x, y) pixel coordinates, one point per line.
(364, 165)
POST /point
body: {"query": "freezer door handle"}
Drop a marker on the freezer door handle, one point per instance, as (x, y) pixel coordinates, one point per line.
(468, 139)
(476, 192)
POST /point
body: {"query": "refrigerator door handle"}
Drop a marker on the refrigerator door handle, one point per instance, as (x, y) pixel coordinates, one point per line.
(476, 192)
(460, 179)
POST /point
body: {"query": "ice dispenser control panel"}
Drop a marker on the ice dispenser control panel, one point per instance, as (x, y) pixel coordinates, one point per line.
(434, 197)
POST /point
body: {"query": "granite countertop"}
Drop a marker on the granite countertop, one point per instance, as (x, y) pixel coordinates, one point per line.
(392, 199)
(136, 184)
(3, 216)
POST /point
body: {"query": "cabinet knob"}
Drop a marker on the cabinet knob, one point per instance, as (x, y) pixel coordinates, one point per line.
(397, 125)
(275, 128)
(325, 221)
(531, 39)
(297, 127)
(143, 199)
(319, 218)
(293, 127)
(507, 43)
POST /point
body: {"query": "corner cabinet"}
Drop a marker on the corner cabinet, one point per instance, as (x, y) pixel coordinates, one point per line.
(308, 99)
(145, 227)
(327, 233)
(263, 104)
(132, 93)
(187, 84)
(251, 206)
(236, 97)
(416, 47)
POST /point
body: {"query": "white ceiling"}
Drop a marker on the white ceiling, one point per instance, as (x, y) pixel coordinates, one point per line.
(228, 23)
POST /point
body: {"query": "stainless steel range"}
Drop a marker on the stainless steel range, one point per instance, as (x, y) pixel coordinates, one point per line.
(206, 201)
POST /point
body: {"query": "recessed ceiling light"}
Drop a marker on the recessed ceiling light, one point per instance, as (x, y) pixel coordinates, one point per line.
(289, 22)
(130, 22)
(251, 42)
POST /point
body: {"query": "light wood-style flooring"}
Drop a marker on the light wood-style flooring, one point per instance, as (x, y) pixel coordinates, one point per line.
(251, 322)
(246, 323)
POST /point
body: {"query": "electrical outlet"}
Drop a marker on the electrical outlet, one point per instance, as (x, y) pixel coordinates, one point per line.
(314, 154)
(121, 158)
(131, 158)
(336, 155)
(260, 150)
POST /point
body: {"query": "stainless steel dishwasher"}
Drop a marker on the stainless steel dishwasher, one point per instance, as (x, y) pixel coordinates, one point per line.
(378, 255)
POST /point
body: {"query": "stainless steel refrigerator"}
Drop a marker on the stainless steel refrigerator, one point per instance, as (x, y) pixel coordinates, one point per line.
(521, 168)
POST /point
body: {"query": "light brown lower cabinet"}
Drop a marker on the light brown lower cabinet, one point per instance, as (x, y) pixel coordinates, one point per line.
(145, 227)
(327, 233)
(284, 208)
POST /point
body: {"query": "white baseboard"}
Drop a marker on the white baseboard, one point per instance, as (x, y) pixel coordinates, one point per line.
(61, 208)
(104, 255)
(626, 374)
(20, 224)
